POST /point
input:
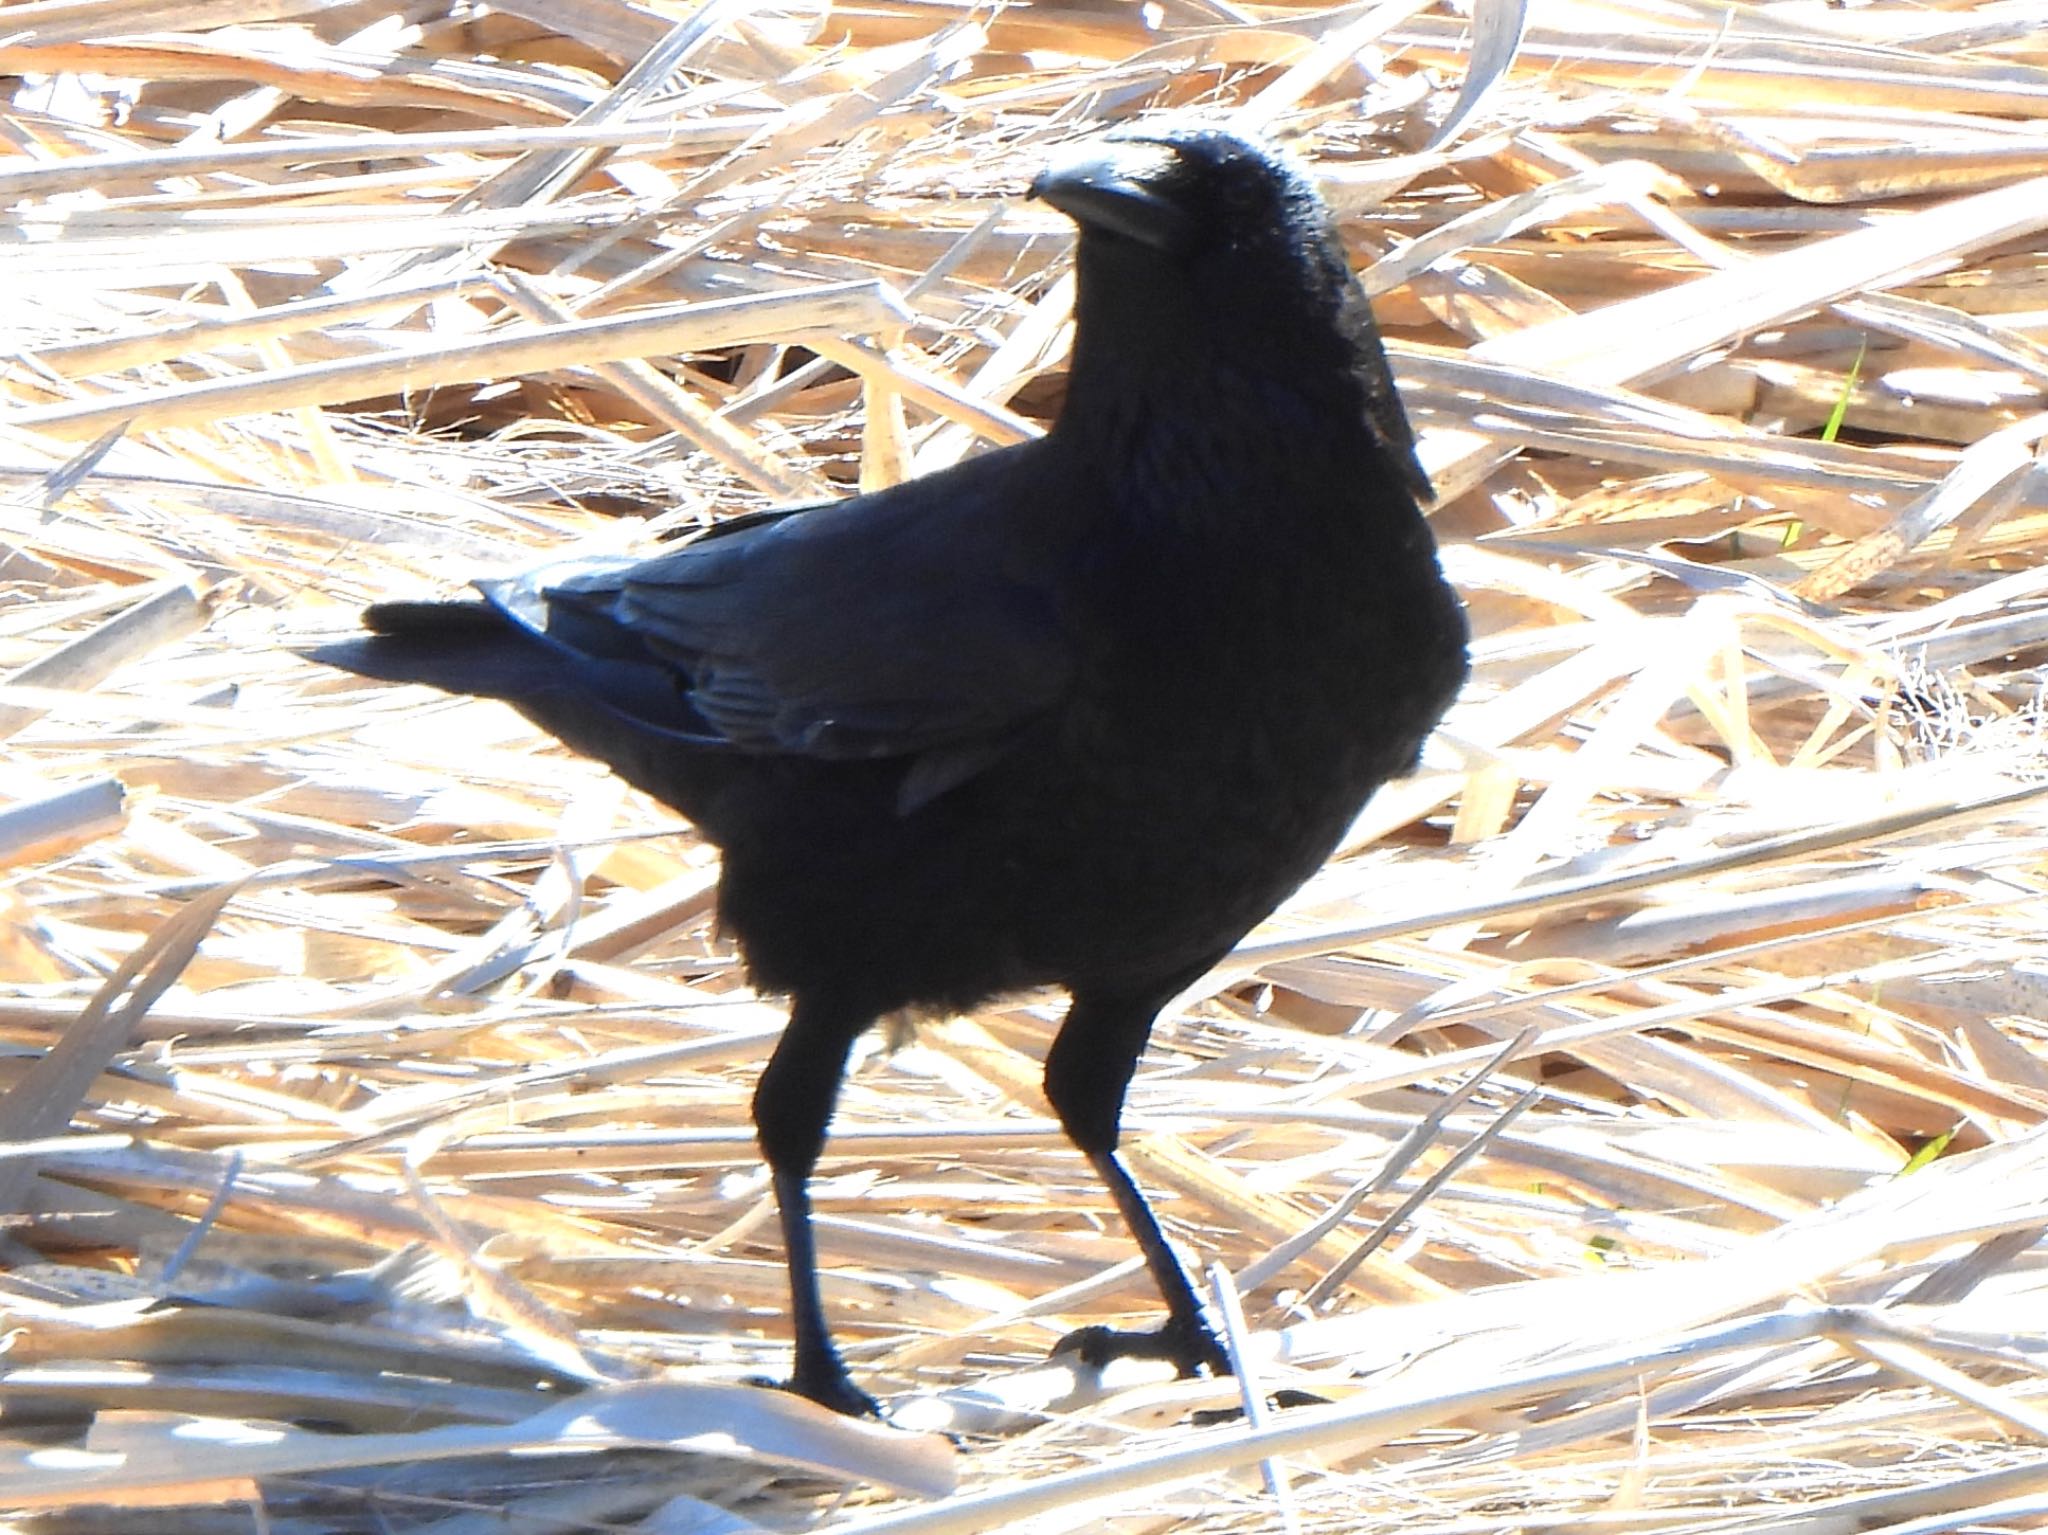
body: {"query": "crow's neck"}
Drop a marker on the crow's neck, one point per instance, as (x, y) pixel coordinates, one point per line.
(1195, 435)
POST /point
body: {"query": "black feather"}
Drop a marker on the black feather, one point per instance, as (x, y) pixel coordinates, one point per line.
(1078, 712)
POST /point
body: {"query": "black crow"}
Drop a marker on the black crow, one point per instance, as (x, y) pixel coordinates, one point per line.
(1073, 713)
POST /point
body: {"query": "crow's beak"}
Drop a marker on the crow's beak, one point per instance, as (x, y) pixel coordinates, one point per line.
(1111, 186)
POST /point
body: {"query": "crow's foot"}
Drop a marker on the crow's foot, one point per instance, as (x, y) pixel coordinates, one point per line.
(831, 1388)
(1190, 1347)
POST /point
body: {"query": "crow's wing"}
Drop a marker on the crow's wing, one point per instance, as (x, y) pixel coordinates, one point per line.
(909, 622)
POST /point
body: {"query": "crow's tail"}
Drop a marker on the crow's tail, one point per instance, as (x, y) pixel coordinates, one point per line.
(458, 647)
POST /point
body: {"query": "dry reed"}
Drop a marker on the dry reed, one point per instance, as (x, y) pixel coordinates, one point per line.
(1639, 1129)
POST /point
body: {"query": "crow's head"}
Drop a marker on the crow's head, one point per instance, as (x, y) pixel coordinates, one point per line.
(1182, 191)
(1207, 258)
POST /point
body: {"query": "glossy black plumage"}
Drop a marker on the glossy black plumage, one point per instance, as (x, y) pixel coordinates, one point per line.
(1078, 712)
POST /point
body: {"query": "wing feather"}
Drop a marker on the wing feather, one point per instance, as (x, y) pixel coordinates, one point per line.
(897, 625)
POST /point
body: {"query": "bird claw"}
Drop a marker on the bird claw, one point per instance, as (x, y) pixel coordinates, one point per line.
(833, 1390)
(841, 1395)
(1189, 1346)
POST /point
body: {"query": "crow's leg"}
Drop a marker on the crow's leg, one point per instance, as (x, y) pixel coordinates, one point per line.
(792, 1106)
(1086, 1074)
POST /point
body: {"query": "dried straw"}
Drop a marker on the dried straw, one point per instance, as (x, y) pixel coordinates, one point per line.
(1638, 1126)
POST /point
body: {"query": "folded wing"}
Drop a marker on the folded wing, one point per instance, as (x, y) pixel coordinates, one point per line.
(898, 626)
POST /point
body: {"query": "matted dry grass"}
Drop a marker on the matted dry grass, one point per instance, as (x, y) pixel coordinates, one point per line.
(1640, 1129)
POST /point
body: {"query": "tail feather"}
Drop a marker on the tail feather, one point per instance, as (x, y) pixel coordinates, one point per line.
(434, 618)
(472, 648)
(458, 647)
(634, 714)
